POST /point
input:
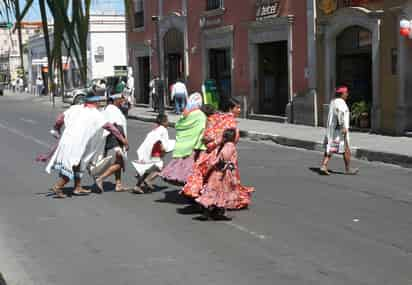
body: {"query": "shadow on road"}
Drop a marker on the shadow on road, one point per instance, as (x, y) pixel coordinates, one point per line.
(173, 197)
(317, 171)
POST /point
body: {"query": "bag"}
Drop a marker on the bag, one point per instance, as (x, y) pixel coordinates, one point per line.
(101, 166)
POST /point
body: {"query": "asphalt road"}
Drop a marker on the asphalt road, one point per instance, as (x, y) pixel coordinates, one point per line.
(302, 228)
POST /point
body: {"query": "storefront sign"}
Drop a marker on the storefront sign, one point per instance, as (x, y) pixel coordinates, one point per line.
(267, 8)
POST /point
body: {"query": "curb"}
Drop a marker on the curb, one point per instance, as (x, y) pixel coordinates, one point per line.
(359, 153)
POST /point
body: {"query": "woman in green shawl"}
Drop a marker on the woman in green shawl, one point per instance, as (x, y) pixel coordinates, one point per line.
(189, 143)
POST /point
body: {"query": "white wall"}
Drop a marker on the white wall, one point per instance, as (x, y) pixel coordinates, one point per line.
(108, 32)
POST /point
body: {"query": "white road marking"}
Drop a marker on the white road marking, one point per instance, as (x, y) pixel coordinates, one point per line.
(29, 121)
(245, 230)
(19, 133)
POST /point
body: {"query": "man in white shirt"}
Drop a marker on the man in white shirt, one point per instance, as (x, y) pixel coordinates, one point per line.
(337, 132)
(180, 95)
(39, 86)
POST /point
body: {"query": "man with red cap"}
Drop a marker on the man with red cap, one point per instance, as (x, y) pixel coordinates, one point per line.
(337, 132)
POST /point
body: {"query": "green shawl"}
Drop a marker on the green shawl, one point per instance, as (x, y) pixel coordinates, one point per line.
(189, 134)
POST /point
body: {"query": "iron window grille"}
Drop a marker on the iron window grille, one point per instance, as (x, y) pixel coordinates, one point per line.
(214, 4)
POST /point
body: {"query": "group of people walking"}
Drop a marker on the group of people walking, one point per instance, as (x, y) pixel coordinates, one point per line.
(204, 161)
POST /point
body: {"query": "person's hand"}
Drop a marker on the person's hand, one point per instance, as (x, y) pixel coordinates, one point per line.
(126, 145)
(344, 131)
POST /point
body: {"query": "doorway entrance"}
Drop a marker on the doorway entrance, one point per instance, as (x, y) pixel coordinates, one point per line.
(143, 64)
(174, 50)
(220, 65)
(354, 68)
(273, 83)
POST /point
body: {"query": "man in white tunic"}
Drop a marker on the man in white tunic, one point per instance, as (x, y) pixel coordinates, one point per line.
(337, 132)
(113, 148)
(78, 144)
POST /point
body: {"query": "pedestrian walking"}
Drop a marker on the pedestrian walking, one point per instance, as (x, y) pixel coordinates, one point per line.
(217, 124)
(180, 95)
(150, 155)
(153, 94)
(39, 86)
(78, 144)
(114, 153)
(337, 139)
(189, 144)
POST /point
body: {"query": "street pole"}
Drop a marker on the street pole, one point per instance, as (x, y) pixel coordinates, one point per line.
(160, 85)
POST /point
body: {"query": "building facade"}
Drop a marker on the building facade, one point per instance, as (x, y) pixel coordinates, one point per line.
(9, 47)
(256, 51)
(106, 50)
(359, 45)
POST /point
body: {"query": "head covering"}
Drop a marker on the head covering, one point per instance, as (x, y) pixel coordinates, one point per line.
(341, 90)
(92, 98)
(195, 102)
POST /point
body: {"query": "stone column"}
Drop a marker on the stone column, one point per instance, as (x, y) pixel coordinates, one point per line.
(401, 110)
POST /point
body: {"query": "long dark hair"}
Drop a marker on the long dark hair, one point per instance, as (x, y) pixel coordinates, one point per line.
(230, 104)
(229, 135)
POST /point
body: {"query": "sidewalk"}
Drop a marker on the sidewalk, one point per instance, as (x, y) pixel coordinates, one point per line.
(371, 147)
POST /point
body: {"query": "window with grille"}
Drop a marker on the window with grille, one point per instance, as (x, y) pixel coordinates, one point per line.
(138, 14)
(214, 4)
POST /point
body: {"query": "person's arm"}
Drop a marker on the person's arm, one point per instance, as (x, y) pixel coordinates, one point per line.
(118, 135)
(59, 123)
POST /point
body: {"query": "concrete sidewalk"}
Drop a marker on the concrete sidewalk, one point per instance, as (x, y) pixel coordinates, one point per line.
(371, 147)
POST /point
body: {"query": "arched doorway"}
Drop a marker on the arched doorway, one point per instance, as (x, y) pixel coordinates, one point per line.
(173, 56)
(333, 28)
(354, 69)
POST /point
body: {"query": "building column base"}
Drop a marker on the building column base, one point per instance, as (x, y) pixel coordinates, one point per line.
(401, 120)
(375, 118)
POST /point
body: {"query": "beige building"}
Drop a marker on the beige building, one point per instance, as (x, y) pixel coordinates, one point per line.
(9, 46)
(358, 44)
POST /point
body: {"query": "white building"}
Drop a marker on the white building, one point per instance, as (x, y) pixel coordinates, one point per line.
(106, 49)
(107, 44)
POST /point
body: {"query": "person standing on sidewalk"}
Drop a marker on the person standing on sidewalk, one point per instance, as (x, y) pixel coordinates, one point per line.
(337, 132)
(153, 94)
(39, 86)
(179, 93)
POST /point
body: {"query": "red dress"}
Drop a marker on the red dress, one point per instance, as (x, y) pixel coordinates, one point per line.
(194, 187)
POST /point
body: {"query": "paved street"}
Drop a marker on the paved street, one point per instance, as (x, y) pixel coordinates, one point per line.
(302, 228)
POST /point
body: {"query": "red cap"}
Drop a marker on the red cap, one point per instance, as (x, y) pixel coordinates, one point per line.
(341, 90)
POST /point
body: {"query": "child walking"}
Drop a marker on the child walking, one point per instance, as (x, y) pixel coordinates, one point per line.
(150, 155)
(220, 191)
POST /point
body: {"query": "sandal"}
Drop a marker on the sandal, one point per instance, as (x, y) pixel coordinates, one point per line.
(58, 192)
(324, 171)
(351, 171)
(120, 188)
(137, 190)
(81, 191)
(99, 184)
